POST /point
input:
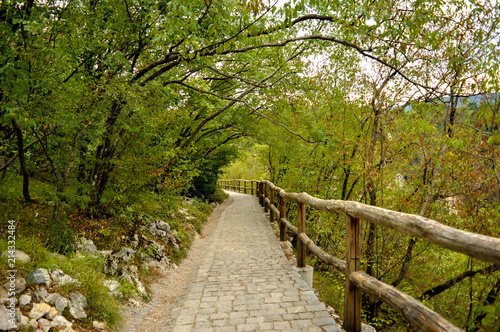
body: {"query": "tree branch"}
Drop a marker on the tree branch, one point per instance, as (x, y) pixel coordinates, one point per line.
(451, 282)
(235, 77)
(277, 123)
(14, 157)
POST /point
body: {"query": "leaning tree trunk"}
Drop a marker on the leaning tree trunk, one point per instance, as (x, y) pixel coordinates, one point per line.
(22, 160)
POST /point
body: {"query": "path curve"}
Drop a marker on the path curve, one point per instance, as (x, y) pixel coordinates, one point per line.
(245, 282)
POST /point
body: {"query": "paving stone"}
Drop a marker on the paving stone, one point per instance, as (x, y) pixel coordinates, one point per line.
(247, 327)
(303, 323)
(281, 325)
(225, 329)
(183, 328)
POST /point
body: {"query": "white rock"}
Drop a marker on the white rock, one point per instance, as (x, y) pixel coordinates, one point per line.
(134, 302)
(33, 323)
(16, 285)
(106, 253)
(367, 328)
(77, 312)
(112, 285)
(86, 246)
(118, 295)
(60, 321)
(44, 325)
(58, 301)
(99, 325)
(20, 256)
(78, 300)
(67, 329)
(9, 300)
(52, 313)
(330, 310)
(18, 314)
(7, 319)
(39, 310)
(40, 295)
(63, 279)
(125, 254)
(24, 299)
(140, 286)
(24, 322)
(184, 212)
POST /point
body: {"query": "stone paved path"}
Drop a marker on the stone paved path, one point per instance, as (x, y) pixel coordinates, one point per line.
(245, 283)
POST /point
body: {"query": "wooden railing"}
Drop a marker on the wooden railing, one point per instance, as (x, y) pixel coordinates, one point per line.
(482, 247)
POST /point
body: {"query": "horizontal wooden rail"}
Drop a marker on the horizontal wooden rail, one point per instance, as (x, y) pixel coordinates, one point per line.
(290, 226)
(323, 255)
(482, 247)
(414, 311)
(479, 246)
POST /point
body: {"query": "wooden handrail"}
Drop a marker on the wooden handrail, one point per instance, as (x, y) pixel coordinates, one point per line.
(414, 311)
(479, 246)
(482, 247)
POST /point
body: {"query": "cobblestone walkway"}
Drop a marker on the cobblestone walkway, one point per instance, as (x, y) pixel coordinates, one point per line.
(245, 283)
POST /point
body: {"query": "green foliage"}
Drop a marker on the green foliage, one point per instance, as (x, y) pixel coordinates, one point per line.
(61, 238)
(128, 290)
(330, 287)
(210, 169)
(218, 196)
(491, 320)
(126, 105)
(251, 163)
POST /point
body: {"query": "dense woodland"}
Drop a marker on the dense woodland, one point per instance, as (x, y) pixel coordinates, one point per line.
(106, 104)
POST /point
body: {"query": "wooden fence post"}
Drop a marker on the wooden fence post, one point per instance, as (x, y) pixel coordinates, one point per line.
(244, 186)
(282, 216)
(266, 206)
(271, 202)
(259, 192)
(352, 300)
(301, 227)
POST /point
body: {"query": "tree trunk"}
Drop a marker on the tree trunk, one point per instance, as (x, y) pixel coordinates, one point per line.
(99, 175)
(370, 187)
(22, 160)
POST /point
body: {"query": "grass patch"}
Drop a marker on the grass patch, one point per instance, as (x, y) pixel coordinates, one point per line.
(330, 286)
(85, 269)
(218, 196)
